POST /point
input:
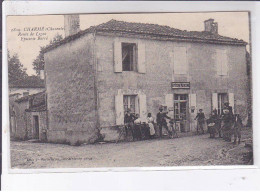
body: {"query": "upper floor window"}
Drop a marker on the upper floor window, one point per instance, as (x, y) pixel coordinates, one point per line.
(129, 57)
(221, 62)
(180, 65)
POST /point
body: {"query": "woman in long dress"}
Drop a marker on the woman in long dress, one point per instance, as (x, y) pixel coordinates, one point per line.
(150, 121)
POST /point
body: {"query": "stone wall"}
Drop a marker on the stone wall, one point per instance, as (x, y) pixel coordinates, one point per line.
(70, 92)
(20, 119)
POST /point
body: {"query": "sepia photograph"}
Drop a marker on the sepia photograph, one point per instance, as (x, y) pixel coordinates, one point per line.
(130, 90)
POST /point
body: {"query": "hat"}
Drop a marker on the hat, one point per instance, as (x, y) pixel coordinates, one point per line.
(160, 108)
(226, 103)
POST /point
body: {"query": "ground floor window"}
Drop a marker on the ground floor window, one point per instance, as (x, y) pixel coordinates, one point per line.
(130, 102)
(222, 98)
(180, 106)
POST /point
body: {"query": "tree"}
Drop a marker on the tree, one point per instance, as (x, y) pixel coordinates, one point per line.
(38, 63)
(16, 70)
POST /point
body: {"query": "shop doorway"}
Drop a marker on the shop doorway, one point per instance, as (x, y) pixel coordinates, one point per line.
(181, 111)
(36, 127)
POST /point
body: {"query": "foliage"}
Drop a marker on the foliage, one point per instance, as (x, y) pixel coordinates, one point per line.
(16, 70)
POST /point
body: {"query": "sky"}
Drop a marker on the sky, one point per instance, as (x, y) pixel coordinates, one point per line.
(20, 40)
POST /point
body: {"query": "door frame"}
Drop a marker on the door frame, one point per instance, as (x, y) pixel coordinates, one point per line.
(187, 120)
(34, 133)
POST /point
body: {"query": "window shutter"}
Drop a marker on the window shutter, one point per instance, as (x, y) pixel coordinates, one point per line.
(169, 100)
(193, 100)
(119, 107)
(117, 56)
(215, 101)
(141, 58)
(225, 63)
(180, 60)
(169, 103)
(143, 109)
(222, 62)
(231, 101)
(171, 56)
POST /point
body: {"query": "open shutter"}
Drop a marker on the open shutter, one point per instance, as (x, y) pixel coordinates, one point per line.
(119, 106)
(215, 101)
(231, 100)
(169, 100)
(117, 56)
(169, 103)
(141, 58)
(193, 101)
(143, 109)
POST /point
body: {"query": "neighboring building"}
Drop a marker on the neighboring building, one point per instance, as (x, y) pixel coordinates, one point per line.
(25, 87)
(28, 117)
(92, 77)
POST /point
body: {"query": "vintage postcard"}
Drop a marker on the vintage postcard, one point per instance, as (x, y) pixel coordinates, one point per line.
(130, 90)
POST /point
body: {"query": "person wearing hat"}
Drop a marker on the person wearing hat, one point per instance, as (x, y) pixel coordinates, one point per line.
(161, 121)
(226, 106)
(213, 124)
(128, 121)
(227, 119)
(201, 120)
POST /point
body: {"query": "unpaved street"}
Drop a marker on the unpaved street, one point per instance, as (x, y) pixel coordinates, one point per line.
(185, 151)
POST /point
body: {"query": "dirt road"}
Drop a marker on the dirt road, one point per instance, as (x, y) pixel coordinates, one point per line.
(186, 151)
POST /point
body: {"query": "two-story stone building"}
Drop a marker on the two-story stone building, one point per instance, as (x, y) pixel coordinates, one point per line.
(93, 76)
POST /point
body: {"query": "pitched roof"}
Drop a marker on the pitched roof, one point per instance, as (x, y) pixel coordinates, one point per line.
(39, 95)
(29, 82)
(152, 31)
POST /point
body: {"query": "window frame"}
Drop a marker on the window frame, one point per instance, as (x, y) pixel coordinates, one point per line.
(136, 103)
(133, 59)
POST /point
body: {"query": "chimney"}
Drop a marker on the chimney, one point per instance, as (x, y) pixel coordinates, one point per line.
(71, 24)
(211, 26)
(42, 74)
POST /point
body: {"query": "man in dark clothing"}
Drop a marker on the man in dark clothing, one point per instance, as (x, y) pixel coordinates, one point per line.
(230, 109)
(228, 121)
(237, 128)
(129, 120)
(201, 120)
(161, 121)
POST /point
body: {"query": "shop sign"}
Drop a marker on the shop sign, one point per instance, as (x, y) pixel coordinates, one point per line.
(181, 85)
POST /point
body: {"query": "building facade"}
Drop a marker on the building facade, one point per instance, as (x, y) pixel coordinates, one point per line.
(92, 77)
(28, 117)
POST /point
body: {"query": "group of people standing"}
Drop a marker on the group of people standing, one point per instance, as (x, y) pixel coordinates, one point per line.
(139, 130)
(136, 128)
(225, 125)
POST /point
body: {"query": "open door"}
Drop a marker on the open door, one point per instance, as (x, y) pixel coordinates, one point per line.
(36, 127)
(181, 111)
